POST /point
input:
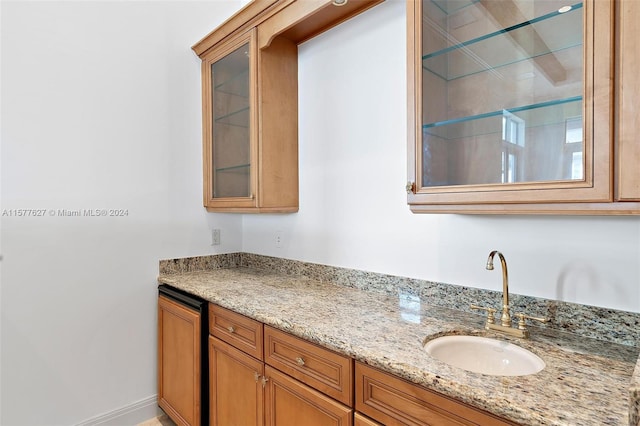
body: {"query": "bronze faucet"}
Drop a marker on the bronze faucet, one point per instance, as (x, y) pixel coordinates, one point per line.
(505, 325)
(505, 319)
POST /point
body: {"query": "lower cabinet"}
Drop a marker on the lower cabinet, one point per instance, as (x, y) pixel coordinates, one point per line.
(259, 375)
(179, 354)
(394, 401)
(298, 389)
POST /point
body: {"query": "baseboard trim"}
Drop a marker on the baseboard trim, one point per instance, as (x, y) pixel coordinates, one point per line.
(131, 414)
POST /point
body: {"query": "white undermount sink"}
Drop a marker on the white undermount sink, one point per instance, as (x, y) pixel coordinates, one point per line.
(484, 355)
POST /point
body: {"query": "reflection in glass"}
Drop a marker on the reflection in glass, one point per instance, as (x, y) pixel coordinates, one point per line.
(512, 143)
(502, 92)
(231, 124)
(573, 148)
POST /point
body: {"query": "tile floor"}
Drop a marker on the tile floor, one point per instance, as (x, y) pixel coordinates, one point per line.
(162, 420)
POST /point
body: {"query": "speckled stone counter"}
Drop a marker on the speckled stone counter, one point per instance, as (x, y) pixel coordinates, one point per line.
(586, 381)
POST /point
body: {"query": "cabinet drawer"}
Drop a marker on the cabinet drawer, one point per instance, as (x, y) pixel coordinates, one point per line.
(322, 369)
(237, 330)
(394, 401)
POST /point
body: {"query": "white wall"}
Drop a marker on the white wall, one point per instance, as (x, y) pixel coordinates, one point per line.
(353, 210)
(100, 110)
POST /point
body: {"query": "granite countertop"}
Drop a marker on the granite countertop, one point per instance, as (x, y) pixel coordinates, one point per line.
(585, 382)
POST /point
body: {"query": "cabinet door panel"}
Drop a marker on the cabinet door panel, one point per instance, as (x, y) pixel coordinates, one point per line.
(629, 102)
(229, 118)
(236, 394)
(231, 122)
(178, 362)
(291, 403)
(511, 105)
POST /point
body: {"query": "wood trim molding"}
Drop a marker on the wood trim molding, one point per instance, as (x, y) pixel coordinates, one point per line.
(296, 20)
(133, 413)
(242, 20)
(628, 101)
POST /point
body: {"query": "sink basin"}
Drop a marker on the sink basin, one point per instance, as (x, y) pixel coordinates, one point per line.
(484, 355)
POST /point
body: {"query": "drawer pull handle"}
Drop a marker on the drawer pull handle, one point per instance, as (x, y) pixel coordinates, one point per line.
(300, 361)
(231, 329)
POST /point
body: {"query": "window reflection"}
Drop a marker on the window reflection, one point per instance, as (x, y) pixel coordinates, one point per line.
(574, 165)
(512, 146)
(409, 307)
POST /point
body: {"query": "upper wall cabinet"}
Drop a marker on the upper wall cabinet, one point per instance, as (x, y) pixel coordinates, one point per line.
(250, 101)
(513, 107)
(250, 126)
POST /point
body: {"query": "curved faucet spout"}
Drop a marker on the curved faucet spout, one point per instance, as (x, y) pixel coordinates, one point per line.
(505, 319)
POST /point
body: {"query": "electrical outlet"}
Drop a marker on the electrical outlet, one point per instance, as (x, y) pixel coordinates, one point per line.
(278, 239)
(215, 237)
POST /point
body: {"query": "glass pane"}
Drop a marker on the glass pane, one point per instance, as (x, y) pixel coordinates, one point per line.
(502, 91)
(231, 125)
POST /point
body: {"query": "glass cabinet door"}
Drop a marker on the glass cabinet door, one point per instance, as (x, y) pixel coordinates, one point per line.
(228, 149)
(231, 124)
(505, 92)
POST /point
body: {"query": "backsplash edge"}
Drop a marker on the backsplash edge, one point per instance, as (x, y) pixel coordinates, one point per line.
(199, 263)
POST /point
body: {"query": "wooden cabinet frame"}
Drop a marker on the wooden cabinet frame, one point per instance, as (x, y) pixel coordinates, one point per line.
(601, 187)
(274, 28)
(208, 60)
(628, 101)
(291, 382)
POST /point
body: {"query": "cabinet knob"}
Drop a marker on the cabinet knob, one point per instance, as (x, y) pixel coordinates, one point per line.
(256, 376)
(300, 361)
(264, 381)
(231, 329)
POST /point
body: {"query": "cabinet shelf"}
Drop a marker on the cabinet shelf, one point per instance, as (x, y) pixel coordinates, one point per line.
(236, 85)
(239, 118)
(539, 114)
(240, 167)
(452, 6)
(496, 49)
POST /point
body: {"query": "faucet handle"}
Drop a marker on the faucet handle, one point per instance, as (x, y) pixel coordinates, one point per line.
(491, 319)
(522, 325)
